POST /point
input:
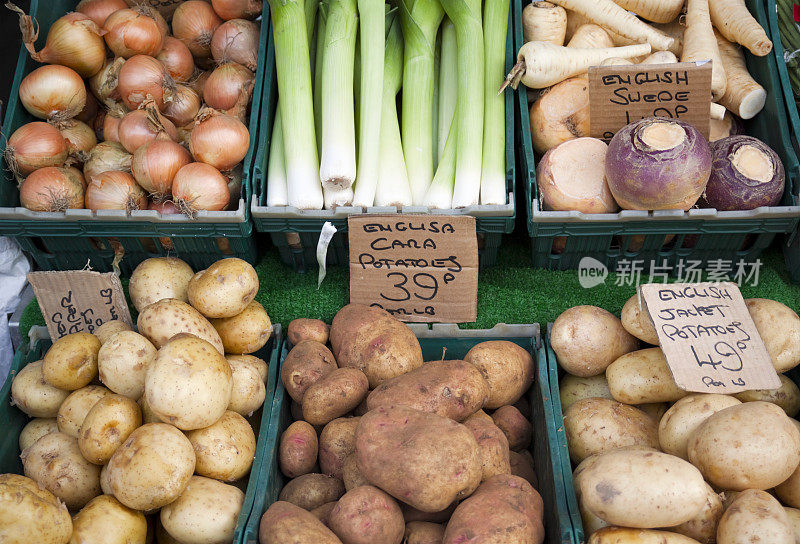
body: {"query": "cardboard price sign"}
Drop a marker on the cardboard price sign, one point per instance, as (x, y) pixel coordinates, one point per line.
(620, 95)
(79, 300)
(421, 268)
(708, 337)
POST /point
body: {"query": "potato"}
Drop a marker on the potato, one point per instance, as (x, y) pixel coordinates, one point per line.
(334, 395)
(591, 523)
(654, 410)
(105, 519)
(147, 414)
(159, 278)
(586, 339)
(524, 407)
(224, 289)
(245, 332)
(162, 320)
(76, 406)
(34, 396)
(224, 450)
(31, 514)
(351, 476)
(367, 515)
(297, 452)
(284, 522)
(503, 505)
(122, 363)
(109, 329)
(685, 416)
(522, 465)
(151, 468)
(493, 445)
(642, 489)
(423, 532)
(55, 463)
(794, 520)
(620, 535)
(788, 491)
(107, 425)
(336, 441)
(574, 388)
(423, 459)
(71, 362)
(35, 429)
(753, 445)
(454, 389)
(703, 526)
(312, 490)
(189, 383)
(787, 396)
(779, 328)
(412, 514)
(507, 368)
(517, 429)
(598, 425)
(307, 329)
(248, 390)
(755, 516)
(206, 512)
(643, 377)
(637, 321)
(307, 363)
(374, 342)
(323, 513)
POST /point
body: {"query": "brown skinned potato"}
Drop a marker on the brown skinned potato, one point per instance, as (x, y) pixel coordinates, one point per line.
(334, 395)
(506, 367)
(298, 449)
(307, 363)
(310, 491)
(307, 329)
(336, 441)
(367, 515)
(283, 522)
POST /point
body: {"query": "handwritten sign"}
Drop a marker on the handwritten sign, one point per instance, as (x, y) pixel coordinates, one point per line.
(421, 268)
(78, 300)
(708, 337)
(620, 95)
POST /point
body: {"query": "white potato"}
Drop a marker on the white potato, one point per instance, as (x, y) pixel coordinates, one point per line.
(74, 409)
(248, 389)
(205, 513)
(122, 363)
(685, 416)
(224, 450)
(159, 278)
(794, 520)
(755, 516)
(703, 526)
(109, 329)
(787, 396)
(166, 318)
(247, 331)
(31, 514)
(574, 388)
(35, 429)
(779, 328)
(642, 377)
(33, 395)
(107, 520)
(107, 425)
(621, 535)
(224, 289)
(637, 322)
(71, 362)
(257, 364)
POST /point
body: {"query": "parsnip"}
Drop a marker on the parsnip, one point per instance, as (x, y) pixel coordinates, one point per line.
(590, 36)
(574, 21)
(744, 96)
(615, 61)
(675, 31)
(661, 57)
(544, 22)
(699, 44)
(717, 111)
(657, 11)
(734, 21)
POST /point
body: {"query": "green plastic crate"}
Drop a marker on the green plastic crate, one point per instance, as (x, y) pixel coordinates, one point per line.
(295, 232)
(559, 240)
(14, 419)
(457, 342)
(68, 240)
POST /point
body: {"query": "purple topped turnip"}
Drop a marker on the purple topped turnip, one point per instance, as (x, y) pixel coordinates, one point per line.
(746, 173)
(657, 164)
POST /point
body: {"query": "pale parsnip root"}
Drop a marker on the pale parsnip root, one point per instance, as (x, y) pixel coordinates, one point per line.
(590, 36)
(699, 44)
(744, 96)
(574, 21)
(657, 11)
(661, 57)
(734, 21)
(675, 31)
(717, 111)
(616, 61)
(544, 22)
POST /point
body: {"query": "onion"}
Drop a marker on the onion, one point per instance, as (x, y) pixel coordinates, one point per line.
(198, 186)
(225, 85)
(115, 191)
(177, 59)
(237, 9)
(144, 125)
(52, 189)
(73, 40)
(745, 174)
(219, 140)
(165, 7)
(106, 157)
(99, 10)
(111, 124)
(155, 164)
(194, 23)
(142, 76)
(136, 31)
(234, 178)
(105, 82)
(236, 41)
(53, 92)
(33, 146)
(657, 164)
(184, 106)
(198, 83)
(78, 175)
(167, 207)
(79, 136)
(90, 110)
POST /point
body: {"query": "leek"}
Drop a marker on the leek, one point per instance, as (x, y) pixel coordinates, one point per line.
(372, 37)
(311, 7)
(440, 193)
(493, 170)
(338, 165)
(276, 167)
(448, 82)
(420, 21)
(322, 17)
(393, 187)
(294, 88)
(335, 197)
(466, 16)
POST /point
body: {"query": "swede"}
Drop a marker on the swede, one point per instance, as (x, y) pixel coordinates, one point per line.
(561, 113)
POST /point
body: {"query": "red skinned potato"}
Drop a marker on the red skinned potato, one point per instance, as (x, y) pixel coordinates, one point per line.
(493, 445)
(522, 465)
(351, 476)
(334, 395)
(367, 515)
(423, 532)
(506, 367)
(307, 362)
(423, 459)
(297, 453)
(454, 389)
(310, 491)
(336, 441)
(515, 510)
(374, 342)
(307, 329)
(284, 522)
(515, 426)
(411, 514)
(323, 513)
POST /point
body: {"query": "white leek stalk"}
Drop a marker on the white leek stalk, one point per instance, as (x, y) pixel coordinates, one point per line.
(448, 83)
(294, 88)
(338, 164)
(276, 167)
(420, 21)
(466, 16)
(493, 169)
(393, 187)
(319, 47)
(440, 193)
(337, 197)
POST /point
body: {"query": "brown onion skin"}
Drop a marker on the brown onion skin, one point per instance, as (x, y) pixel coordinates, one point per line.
(79, 136)
(105, 83)
(156, 163)
(52, 189)
(177, 59)
(99, 10)
(194, 23)
(115, 191)
(89, 111)
(135, 130)
(225, 84)
(141, 76)
(236, 41)
(237, 9)
(198, 186)
(198, 83)
(53, 92)
(166, 207)
(111, 128)
(105, 157)
(219, 140)
(36, 145)
(184, 106)
(129, 33)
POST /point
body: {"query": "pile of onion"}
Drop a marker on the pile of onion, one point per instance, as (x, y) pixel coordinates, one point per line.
(144, 125)
(115, 191)
(99, 10)
(194, 23)
(156, 163)
(53, 92)
(80, 138)
(236, 41)
(52, 189)
(237, 9)
(143, 77)
(198, 186)
(106, 157)
(33, 146)
(177, 59)
(137, 31)
(219, 140)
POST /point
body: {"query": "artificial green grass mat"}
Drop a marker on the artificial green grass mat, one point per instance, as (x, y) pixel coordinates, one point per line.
(511, 292)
